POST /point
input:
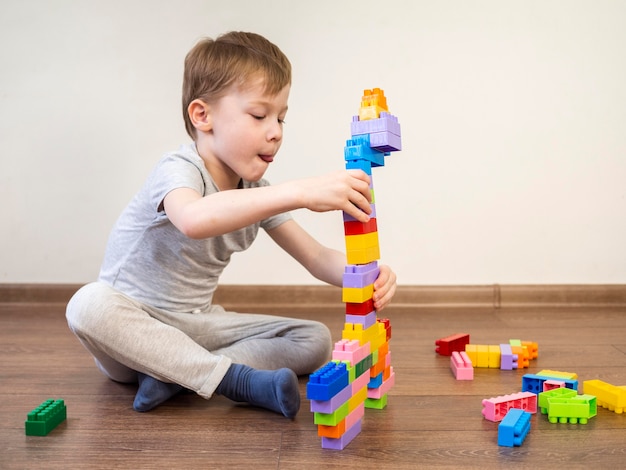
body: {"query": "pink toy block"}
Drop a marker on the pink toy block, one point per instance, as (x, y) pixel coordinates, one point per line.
(552, 384)
(360, 382)
(384, 388)
(461, 366)
(350, 351)
(495, 409)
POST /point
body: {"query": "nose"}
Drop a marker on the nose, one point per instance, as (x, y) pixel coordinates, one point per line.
(275, 132)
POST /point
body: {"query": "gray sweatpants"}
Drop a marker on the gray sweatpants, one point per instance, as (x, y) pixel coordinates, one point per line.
(191, 349)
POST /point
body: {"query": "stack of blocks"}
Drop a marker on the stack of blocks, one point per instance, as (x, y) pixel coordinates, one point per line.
(360, 373)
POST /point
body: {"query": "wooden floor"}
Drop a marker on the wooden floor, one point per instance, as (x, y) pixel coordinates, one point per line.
(431, 421)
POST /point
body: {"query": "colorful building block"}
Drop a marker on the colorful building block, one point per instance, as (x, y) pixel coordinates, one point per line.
(544, 397)
(514, 428)
(508, 360)
(534, 383)
(578, 409)
(445, 346)
(46, 417)
(608, 396)
(495, 409)
(327, 381)
(461, 366)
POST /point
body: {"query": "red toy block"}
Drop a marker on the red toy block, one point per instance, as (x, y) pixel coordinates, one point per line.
(362, 308)
(354, 227)
(445, 346)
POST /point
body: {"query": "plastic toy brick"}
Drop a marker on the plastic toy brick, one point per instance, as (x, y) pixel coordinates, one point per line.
(514, 428)
(508, 360)
(360, 242)
(573, 410)
(365, 320)
(378, 393)
(360, 275)
(350, 351)
(358, 398)
(363, 256)
(341, 442)
(534, 383)
(533, 349)
(379, 365)
(332, 419)
(495, 409)
(374, 97)
(557, 374)
(357, 228)
(376, 382)
(461, 366)
(45, 418)
(445, 346)
(493, 356)
(611, 397)
(552, 384)
(523, 358)
(387, 323)
(357, 294)
(385, 142)
(327, 381)
(376, 403)
(387, 122)
(331, 405)
(363, 308)
(364, 165)
(358, 148)
(478, 354)
(339, 430)
(561, 392)
(359, 383)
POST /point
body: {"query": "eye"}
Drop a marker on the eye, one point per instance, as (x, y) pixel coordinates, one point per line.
(281, 121)
(258, 118)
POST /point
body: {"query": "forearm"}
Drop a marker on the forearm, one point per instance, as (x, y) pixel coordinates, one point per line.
(227, 211)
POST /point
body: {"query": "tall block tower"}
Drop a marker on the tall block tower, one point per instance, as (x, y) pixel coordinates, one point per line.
(360, 372)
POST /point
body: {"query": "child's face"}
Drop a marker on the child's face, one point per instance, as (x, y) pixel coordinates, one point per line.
(246, 133)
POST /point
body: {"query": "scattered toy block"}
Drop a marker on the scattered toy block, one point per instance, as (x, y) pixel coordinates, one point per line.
(461, 366)
(46, 417)
(508, 360)
(534, 383)
(573, 410)
(561, 392)
(608, 396)
(495, 409)
(446, 346)
(514, 428)
(552, 384)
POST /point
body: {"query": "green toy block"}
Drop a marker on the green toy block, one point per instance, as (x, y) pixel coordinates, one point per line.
(376, 403)
(45, 417)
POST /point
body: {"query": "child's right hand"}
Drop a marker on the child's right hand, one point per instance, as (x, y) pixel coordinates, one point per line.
(346, 190)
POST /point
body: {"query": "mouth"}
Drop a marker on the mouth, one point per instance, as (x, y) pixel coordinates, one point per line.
(267, 158)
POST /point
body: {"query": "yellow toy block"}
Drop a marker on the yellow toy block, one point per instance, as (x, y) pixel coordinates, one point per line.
(357, 294)
(354, 331)
(373, 103)
(361, 241)
(364, 256)
(558, 375)
(494, 356)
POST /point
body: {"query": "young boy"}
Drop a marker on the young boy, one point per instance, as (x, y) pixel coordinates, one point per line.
(149, 317)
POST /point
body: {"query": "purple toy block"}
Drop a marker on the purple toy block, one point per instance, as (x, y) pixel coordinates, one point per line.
(385, 142)
(330, 406)
(387, 122)
(360, 275)
(365, 320)
(341, 442)
(508, 360)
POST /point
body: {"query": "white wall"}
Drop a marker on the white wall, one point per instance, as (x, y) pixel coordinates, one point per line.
(513, 118)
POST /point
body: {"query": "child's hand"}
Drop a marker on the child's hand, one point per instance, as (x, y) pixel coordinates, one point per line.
(384, 287)
(346, 190)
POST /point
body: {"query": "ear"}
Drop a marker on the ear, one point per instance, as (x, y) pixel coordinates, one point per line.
(200, 115)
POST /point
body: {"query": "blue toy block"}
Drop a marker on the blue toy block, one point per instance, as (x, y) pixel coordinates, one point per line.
(513, 429)
(534, 383)
(376, 382)
(359, 164)
(358, 148)
(327, 381)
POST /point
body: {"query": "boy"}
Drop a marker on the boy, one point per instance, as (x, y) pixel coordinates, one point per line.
(149, 318)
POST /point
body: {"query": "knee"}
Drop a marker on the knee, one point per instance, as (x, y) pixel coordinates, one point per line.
(84, 307)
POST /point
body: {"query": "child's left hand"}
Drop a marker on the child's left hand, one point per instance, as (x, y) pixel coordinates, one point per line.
(384, 287)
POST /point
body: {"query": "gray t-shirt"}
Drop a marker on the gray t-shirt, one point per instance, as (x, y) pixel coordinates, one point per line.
(150, 260)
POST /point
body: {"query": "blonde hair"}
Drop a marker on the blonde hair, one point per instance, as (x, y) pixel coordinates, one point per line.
(234, 58)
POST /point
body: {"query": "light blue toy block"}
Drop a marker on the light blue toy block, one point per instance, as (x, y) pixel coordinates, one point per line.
(513, 429)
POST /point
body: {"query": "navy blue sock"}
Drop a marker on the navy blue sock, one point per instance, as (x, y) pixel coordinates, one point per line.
(153, 392)
(275, 390)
